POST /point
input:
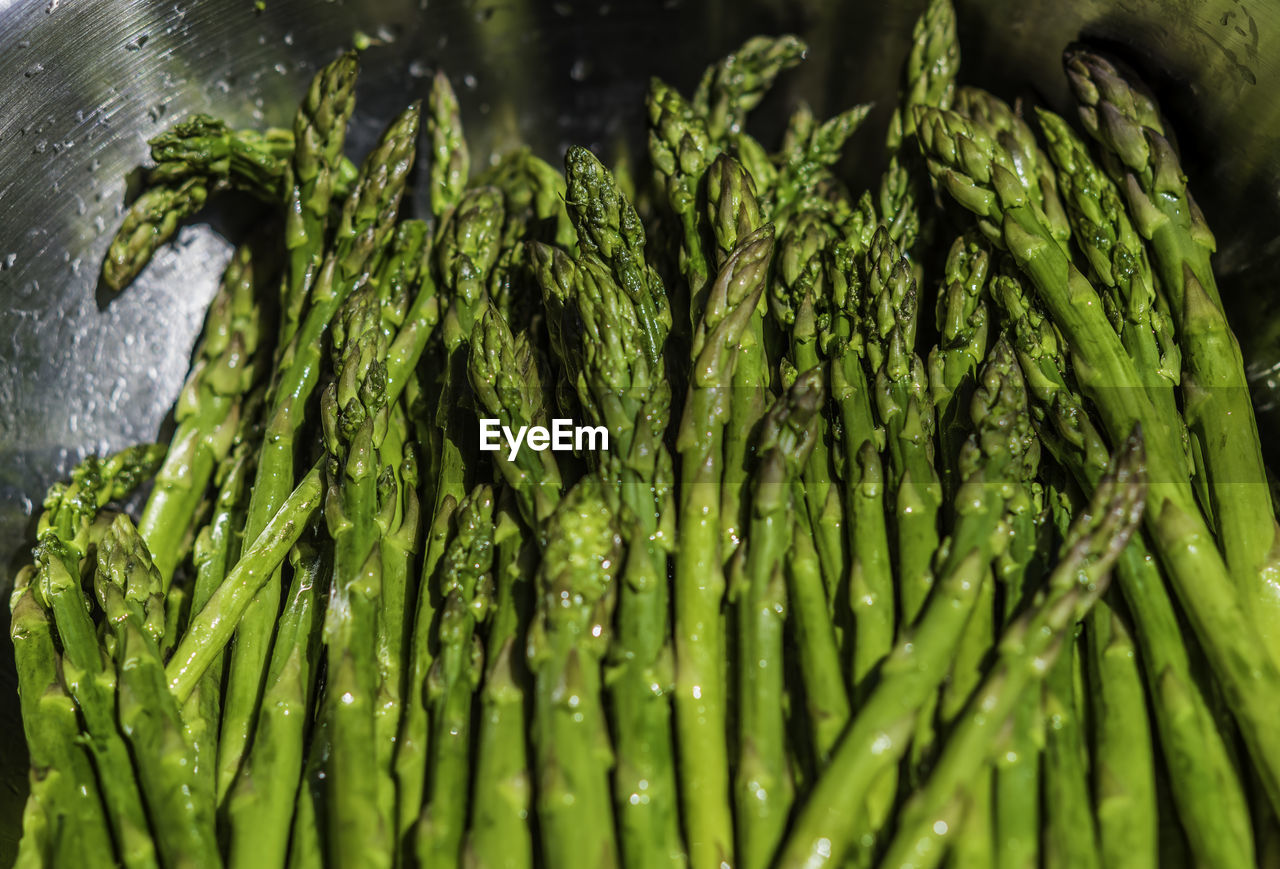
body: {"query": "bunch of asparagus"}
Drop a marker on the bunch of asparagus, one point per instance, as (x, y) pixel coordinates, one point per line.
(836, 592)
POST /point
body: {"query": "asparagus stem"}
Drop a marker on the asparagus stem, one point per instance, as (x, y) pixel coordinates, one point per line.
(567, 641)
(1031, 643)
(700, 697)
(500, 834)
(364, 227)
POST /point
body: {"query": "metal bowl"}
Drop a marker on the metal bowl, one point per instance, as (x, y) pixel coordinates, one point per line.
(85, 83)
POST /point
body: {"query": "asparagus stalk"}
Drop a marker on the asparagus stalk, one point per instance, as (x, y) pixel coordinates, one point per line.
(733, 213)
(365, 226)
(64, 796)
(465, 252)
(1125, 781)
(207, 411)
(216, 548)
(181, 810)
(567, 642)
(681, 150)
(929, 74)
(963, 334)
(319, 131)
(212, 627)
(1207, 793)
(63, 534)
(501, 834)
(465, 578)
(871, 585)
(902, 404)
(151, 220)
(764, 787)
(797, 301)
(1215, 389)
(1027, 648)
(1071, 829)
(730, 89)
(1118, 257)
(505, 377)
(256, 162)
(450, 159)
(355, 418)
(973, 168)
(852, 785)
(620, 390)
(261, 803)
(699, 578)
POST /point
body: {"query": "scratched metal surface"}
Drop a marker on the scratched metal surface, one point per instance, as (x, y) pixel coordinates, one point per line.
(83, 84)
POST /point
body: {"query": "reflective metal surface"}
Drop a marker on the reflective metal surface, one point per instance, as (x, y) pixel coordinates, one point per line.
(84, 83)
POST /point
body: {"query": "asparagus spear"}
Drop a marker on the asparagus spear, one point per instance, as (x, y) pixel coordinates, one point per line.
(501, 834)
(465, 252)
(354, 415)
(216, 548)
(699, 579)
(202, 145)
(902, 404)
(620, 391)
(929, 74)
(730, 89)
(1027, 648)
(364, 227)
(64, 796)
(1118, 258)
(852, 785)
(207, 411)
(609, 227)
(151, 220)
(91, 684)
(871, 586)
(963, 333)
(465, 579)
(733, 213)
(681, 150)
(797, 300)
(505, 377)
(1125, 781)
(261, 802)
(567, 641)
(450, 159)
(181, 810)
(1071, 829)
(809, 150)
(764, 787)
(972, 168)
(1207, 794)
(1215, 389)
(212, 627)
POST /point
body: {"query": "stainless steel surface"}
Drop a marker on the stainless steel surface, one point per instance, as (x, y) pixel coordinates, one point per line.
(85, 82)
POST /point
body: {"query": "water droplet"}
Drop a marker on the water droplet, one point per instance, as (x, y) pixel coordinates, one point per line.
(470, 81)
(419, 69)
(288, 38)
(580, 70)
(10, 259)
(53, 4)
(137, 43)
(34, 70)
(41, 146)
